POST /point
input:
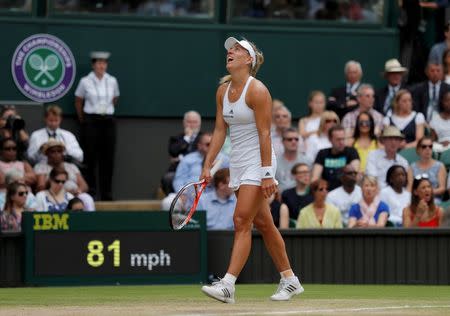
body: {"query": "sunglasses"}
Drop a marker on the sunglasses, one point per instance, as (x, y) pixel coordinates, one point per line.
(10, 148)
(22, 193)
(59, 181)
(426, 146)
(331, 121)
(351, 173)
(421, 176)
(365, 123)
(290, 139)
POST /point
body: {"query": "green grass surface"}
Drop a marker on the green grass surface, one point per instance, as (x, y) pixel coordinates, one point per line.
(128, 295)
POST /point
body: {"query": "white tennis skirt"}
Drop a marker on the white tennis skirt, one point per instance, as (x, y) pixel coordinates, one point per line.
(249, 174)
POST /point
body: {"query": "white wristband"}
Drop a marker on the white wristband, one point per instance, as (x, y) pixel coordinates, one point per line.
(267, 172)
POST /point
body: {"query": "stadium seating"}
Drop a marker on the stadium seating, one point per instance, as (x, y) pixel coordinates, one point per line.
(445, 158)
(409, 154)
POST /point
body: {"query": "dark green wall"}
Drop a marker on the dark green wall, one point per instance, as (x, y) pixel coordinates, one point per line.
(165, 69)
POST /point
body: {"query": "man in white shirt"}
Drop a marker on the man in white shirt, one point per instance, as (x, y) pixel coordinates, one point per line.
(52, 130)
(347, 194)
(380, 160)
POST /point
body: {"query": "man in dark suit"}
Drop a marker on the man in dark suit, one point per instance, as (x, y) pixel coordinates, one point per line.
(426, 95)
(181, 145)
(343, 99)
(393, 73)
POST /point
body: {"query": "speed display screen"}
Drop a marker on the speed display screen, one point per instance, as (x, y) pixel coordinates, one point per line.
(113, 248)
(109, 253)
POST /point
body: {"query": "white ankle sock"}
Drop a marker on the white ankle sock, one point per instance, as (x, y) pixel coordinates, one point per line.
(229, 278)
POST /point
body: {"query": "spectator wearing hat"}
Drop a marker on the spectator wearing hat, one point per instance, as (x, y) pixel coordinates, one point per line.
(75, 184)
(426, 94)
(393, 73)
(52, 129)
(366, 102)
(380, 160)
(343, 99)
(96, 98)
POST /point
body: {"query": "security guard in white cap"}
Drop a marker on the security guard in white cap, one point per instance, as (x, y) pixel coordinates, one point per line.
(95, 99)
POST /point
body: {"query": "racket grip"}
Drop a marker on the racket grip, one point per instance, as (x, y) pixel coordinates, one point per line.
(216, 167)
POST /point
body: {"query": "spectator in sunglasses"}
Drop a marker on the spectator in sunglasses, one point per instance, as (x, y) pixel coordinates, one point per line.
(422, 212)
(435, 169)
(10, 163)
(364, 138)
(366, 101)
(410, 123)
(288, 159)
(11, 216)
(55, 198)
(370, 212)
(347, 194)
(319, 214)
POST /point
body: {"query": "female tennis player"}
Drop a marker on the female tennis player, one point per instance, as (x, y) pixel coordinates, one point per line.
(244, 105)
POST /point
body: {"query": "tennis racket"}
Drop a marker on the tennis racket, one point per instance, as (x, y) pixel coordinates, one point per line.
(185, 202)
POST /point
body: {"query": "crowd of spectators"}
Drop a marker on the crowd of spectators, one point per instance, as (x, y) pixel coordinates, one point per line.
(39, 172)
(369, 147)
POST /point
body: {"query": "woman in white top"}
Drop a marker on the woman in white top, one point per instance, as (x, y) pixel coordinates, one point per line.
(96, 98)
(395, 194)
(244, 105)
(409, 122)
(440, 122)
(55, 198)
(320, 140)
(309, 125)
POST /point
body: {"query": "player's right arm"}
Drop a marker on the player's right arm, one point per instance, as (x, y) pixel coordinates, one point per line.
(219, 134)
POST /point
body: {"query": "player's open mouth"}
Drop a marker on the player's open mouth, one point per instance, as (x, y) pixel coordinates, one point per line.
(229, 59)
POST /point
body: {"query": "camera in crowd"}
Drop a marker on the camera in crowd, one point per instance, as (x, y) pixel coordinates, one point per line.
(15, 123)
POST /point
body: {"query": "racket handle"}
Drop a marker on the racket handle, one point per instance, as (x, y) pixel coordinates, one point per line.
(216, 167)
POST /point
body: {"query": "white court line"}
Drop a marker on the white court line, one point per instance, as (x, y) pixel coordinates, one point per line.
(333, 310)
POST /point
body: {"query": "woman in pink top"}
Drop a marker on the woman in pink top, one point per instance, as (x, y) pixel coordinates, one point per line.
(9, 163)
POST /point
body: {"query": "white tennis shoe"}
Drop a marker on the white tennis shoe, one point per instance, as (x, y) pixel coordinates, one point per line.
(221, 291)
(286, 289)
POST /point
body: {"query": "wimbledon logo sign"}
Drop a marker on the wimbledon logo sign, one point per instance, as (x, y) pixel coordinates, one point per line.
(43, 68)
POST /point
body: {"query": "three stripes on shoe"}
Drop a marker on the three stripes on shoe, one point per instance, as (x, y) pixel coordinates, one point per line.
(226, 293)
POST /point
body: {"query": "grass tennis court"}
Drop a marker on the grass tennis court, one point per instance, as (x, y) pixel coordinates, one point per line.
(250, 300)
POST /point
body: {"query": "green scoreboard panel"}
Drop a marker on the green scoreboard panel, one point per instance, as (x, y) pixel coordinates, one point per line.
(112, 248)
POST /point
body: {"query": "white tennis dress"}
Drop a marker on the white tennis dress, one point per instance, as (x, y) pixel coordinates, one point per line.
(245, 157)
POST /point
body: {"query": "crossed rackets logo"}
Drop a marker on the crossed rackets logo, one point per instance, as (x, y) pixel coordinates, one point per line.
(43, 68)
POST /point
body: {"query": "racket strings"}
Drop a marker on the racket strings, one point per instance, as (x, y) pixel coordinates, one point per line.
(182, 205)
